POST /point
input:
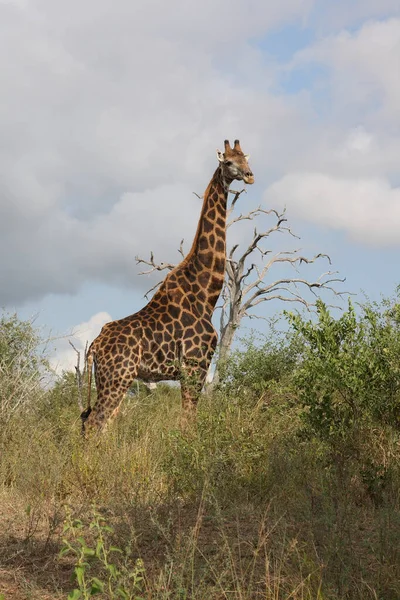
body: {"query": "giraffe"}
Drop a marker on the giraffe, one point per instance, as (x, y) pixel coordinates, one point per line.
(172, 337)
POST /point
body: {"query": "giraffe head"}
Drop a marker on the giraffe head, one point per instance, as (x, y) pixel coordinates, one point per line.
(234, 164)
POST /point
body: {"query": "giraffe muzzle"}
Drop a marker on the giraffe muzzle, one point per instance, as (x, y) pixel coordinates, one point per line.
(248, 178)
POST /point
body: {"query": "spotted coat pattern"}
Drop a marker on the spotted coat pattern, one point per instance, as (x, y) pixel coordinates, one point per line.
(172, 337)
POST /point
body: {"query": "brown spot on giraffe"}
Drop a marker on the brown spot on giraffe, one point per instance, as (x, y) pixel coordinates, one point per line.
(172, 337)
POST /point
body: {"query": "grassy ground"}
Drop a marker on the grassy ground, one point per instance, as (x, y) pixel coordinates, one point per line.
(239, 506)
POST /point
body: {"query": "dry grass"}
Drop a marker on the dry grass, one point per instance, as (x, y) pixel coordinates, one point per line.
(238, 507)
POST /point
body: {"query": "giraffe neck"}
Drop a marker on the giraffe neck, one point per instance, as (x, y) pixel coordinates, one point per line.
(207, 256)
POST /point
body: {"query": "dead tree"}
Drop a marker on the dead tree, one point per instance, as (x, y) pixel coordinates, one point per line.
(246, 273)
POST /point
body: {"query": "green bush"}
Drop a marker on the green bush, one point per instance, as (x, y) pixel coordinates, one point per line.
(115, 577)
(349, 375)
(255, 368)
(22, 364)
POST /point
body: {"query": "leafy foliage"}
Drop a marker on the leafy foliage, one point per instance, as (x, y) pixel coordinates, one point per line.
(255, 368)
(115, 579)
(22, 363)
(349, 375)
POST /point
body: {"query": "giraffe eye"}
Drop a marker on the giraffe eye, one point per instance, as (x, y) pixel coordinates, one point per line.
(228, 163)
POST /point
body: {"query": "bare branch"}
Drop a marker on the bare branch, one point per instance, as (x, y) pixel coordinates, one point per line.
(252, 214)
(281, 284)
(78, 375)
(181, 251)
(155, 286)
(298, 299)
(259, 236)
(230, 268)
(258, 317)
(285, 257)
(155, 266)
(236, 196)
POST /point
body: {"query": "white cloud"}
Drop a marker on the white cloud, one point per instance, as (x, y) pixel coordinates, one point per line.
(366, 209)
(357, 151)
(65, 356)
(343, 179)
(109, 119)
(358, 141)
(335, 14)
(364, 65)
(111, 111)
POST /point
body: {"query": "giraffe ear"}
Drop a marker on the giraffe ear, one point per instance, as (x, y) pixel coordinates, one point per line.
(220, 156)
(247, 156)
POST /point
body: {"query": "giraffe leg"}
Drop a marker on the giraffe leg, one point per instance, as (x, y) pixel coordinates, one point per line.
(194, 369)
(192, 381)
(112, 381)
(106, 408)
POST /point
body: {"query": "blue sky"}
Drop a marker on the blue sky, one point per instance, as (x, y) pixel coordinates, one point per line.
(110, 116)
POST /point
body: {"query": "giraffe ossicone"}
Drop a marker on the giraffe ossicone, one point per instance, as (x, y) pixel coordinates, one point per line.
(172, 337)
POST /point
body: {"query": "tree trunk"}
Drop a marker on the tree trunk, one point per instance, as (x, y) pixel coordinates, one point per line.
(224, 346)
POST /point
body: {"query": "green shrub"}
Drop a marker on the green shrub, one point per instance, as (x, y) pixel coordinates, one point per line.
(256, 368)
(115, 576)
(349, 375)
(22, 364)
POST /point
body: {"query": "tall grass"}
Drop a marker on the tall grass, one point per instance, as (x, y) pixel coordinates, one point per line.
(238, 506)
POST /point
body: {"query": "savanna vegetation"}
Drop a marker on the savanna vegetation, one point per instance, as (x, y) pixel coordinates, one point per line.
(287, 486)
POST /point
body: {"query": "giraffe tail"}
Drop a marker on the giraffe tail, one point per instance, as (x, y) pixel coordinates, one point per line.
(89, 366)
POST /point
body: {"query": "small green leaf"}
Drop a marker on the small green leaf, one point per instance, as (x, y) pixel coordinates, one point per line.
(96, 586)
(79, 573)
(77, 523)
(122, 593)
(62, 553)
(99, 547)
(112, 570)
(75, 595)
